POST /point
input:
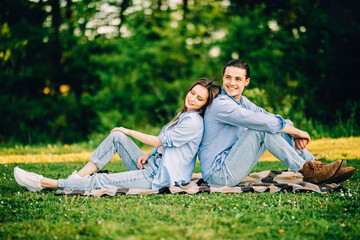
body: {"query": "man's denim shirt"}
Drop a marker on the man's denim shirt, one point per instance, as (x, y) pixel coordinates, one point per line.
(225, 120)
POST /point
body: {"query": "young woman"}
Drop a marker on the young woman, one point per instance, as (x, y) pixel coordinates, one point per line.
(171, 162)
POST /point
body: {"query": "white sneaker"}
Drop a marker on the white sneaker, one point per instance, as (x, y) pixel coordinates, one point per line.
(29, 180)
(75, 175)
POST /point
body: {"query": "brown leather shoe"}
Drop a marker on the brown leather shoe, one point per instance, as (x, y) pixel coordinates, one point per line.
(342, 175)
(319, 173)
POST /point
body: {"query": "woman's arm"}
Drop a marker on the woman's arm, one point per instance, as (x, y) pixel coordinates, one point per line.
(301, 138)
(142, 137)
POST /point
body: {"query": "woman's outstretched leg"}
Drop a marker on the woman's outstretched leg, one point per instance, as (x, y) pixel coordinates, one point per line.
(49, 183)
(32, 181)
(130, 179)
(88, 169)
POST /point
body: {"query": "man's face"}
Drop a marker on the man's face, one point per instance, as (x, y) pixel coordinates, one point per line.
(234, 81)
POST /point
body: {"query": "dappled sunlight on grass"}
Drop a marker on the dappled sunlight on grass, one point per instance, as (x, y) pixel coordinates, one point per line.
(46, 158)
(43, 157)
(325, 149)
(341, 148)
(329, 149)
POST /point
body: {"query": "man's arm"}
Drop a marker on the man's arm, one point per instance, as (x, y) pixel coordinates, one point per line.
(300, 143)
(228, 112)
(253, 107)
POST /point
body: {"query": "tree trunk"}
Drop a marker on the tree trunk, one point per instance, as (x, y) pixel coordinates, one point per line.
(69, 16)
(56, 45)
(124, 5)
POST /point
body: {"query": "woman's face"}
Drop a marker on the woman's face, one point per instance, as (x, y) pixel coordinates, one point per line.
(196, 98)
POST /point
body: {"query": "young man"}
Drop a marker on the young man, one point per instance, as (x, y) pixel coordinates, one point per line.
(237, 132)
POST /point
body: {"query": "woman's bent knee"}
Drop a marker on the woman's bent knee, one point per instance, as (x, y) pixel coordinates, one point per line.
(119, 136)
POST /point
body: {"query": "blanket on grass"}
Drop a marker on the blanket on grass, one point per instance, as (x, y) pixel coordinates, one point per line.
(265, 181)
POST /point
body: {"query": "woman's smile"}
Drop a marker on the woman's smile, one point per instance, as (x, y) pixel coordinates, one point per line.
(196, 97)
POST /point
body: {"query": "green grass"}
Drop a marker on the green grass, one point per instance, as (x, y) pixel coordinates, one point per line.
(26, 215)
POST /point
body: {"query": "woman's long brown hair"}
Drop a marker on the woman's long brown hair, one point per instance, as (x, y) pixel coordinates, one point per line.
(213, 90)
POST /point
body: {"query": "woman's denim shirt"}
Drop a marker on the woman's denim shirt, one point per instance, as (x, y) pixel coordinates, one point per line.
(180, 145)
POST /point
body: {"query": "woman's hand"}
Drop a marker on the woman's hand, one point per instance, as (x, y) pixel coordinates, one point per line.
(142, 160)
(122, 129)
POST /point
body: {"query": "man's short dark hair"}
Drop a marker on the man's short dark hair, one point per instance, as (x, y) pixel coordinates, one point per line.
(239, 64)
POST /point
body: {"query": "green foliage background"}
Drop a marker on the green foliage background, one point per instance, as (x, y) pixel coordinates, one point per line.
(70, 70)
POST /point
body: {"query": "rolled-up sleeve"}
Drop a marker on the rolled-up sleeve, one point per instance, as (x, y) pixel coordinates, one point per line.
(182, 133)
(234, 115)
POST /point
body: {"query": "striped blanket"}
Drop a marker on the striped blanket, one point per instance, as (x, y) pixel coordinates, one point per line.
(265, 181)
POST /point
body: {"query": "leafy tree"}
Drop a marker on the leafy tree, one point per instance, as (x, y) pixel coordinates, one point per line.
(69, 69)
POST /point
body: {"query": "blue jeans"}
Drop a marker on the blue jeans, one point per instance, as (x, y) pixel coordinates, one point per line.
(129, 152)
(249, 148)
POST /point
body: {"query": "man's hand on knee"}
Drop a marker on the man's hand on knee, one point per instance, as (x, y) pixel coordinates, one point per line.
(300, 143)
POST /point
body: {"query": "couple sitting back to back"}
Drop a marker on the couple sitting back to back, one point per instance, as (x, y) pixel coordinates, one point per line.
(230, 139)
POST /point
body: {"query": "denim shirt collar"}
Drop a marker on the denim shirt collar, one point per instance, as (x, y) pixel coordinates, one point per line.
(181, 115)
(223, 92)
(186, 113)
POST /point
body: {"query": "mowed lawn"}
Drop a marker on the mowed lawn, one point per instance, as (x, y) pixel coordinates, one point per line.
(44, 215)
